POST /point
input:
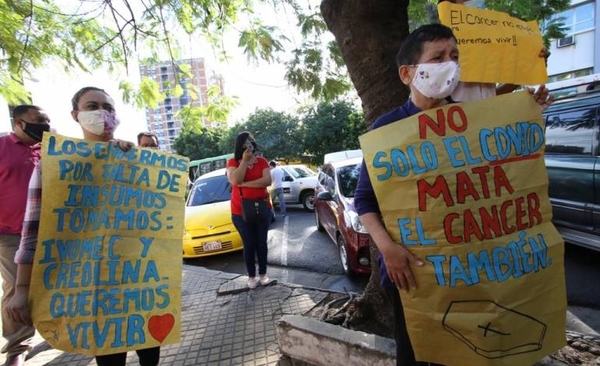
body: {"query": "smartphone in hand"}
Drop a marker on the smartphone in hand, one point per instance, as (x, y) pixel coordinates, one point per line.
(250, 145)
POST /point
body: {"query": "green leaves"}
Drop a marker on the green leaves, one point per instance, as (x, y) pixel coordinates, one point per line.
(277, 133)
(332, 127)
(311, 24)
(34, 31)
(88, 35)
(147, 94)
(259, 43)
(322, 78)
(199, 144)
(312, 133)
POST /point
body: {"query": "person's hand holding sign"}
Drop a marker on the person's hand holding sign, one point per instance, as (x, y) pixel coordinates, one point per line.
(17, 308)
(398, 260)
(542, 96)
(123, 145)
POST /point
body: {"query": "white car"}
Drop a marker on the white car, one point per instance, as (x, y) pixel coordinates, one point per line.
(342, 155)
(299, 184)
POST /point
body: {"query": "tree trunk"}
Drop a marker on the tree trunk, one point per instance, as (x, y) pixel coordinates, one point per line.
(369, 33)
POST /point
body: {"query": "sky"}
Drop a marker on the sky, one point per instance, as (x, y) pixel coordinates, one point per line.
(256, 86)
(52, 89)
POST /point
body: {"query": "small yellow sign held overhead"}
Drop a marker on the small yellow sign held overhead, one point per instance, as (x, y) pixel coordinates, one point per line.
(495, 47)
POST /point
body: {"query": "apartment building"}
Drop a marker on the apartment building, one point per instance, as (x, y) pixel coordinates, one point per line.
(578, 53)
(164, 120)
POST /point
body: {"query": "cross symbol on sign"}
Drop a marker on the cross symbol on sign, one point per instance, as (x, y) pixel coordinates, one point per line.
(487, 329)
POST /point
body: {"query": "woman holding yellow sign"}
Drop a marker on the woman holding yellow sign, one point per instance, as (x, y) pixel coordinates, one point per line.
(94, 110)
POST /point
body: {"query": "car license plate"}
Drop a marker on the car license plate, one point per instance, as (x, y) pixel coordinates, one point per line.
(211, 245)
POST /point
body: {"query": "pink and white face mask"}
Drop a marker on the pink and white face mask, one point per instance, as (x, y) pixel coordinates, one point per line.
(99, 122)
(436, 80)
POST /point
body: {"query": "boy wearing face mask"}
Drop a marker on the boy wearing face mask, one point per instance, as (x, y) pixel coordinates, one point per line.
(19, 152)
(428, 63)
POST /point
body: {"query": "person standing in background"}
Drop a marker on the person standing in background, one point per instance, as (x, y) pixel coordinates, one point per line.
(250, 176)
(148, 139)
(19, 152)
(277, 187)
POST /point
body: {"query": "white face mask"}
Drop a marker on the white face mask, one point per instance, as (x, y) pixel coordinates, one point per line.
(436, 80)
(98, 122)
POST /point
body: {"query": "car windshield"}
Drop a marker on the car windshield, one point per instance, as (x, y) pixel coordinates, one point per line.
(348, 178)
(300, 172)
(210, 190)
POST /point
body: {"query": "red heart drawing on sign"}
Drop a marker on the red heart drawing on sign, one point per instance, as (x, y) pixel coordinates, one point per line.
(160, 326)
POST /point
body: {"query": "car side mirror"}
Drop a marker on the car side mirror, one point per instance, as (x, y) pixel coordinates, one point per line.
(287, 178)
(325, 196)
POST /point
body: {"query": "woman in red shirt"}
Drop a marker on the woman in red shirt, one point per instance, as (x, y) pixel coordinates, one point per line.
(250, 174)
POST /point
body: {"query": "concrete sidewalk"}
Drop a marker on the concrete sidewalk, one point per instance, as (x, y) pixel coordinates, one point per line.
(223, 323)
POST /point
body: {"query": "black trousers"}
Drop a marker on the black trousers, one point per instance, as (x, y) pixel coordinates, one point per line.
(405, 356)
(148, 357)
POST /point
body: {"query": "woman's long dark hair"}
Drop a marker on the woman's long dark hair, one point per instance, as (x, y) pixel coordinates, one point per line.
(240, 142)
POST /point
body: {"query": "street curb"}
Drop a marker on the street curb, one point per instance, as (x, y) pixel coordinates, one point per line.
(318, 343)
(323, 344)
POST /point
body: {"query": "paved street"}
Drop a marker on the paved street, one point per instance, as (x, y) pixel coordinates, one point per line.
(311, 259)
(298, 253)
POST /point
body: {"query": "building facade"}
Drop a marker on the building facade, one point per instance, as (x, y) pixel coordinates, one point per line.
(578, 53)
(165, 120)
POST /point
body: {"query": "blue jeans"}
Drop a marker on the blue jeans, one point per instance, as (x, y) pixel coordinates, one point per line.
(254, 237)
(278, 192)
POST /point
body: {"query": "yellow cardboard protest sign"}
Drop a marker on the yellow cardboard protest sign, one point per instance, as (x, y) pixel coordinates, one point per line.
(107, 269)
(464, 188)
(495, 47)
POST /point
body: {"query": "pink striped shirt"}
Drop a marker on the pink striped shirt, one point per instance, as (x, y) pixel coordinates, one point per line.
(31, 224)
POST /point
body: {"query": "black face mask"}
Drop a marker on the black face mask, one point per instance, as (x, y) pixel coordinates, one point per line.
(34, 130)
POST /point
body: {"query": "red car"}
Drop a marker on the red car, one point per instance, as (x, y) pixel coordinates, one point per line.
(335, 214)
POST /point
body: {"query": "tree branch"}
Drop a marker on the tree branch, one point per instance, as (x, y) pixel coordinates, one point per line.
(120, 32)
(168, 41)
(26, 43)
(135, 27)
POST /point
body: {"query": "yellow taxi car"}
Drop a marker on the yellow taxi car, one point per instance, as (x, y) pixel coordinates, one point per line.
(208, 227)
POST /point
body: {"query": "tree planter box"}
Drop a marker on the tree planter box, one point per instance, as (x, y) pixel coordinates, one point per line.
(319, 343)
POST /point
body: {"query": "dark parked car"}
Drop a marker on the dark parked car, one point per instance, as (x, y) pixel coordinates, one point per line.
(335, 214)
(573, 163)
